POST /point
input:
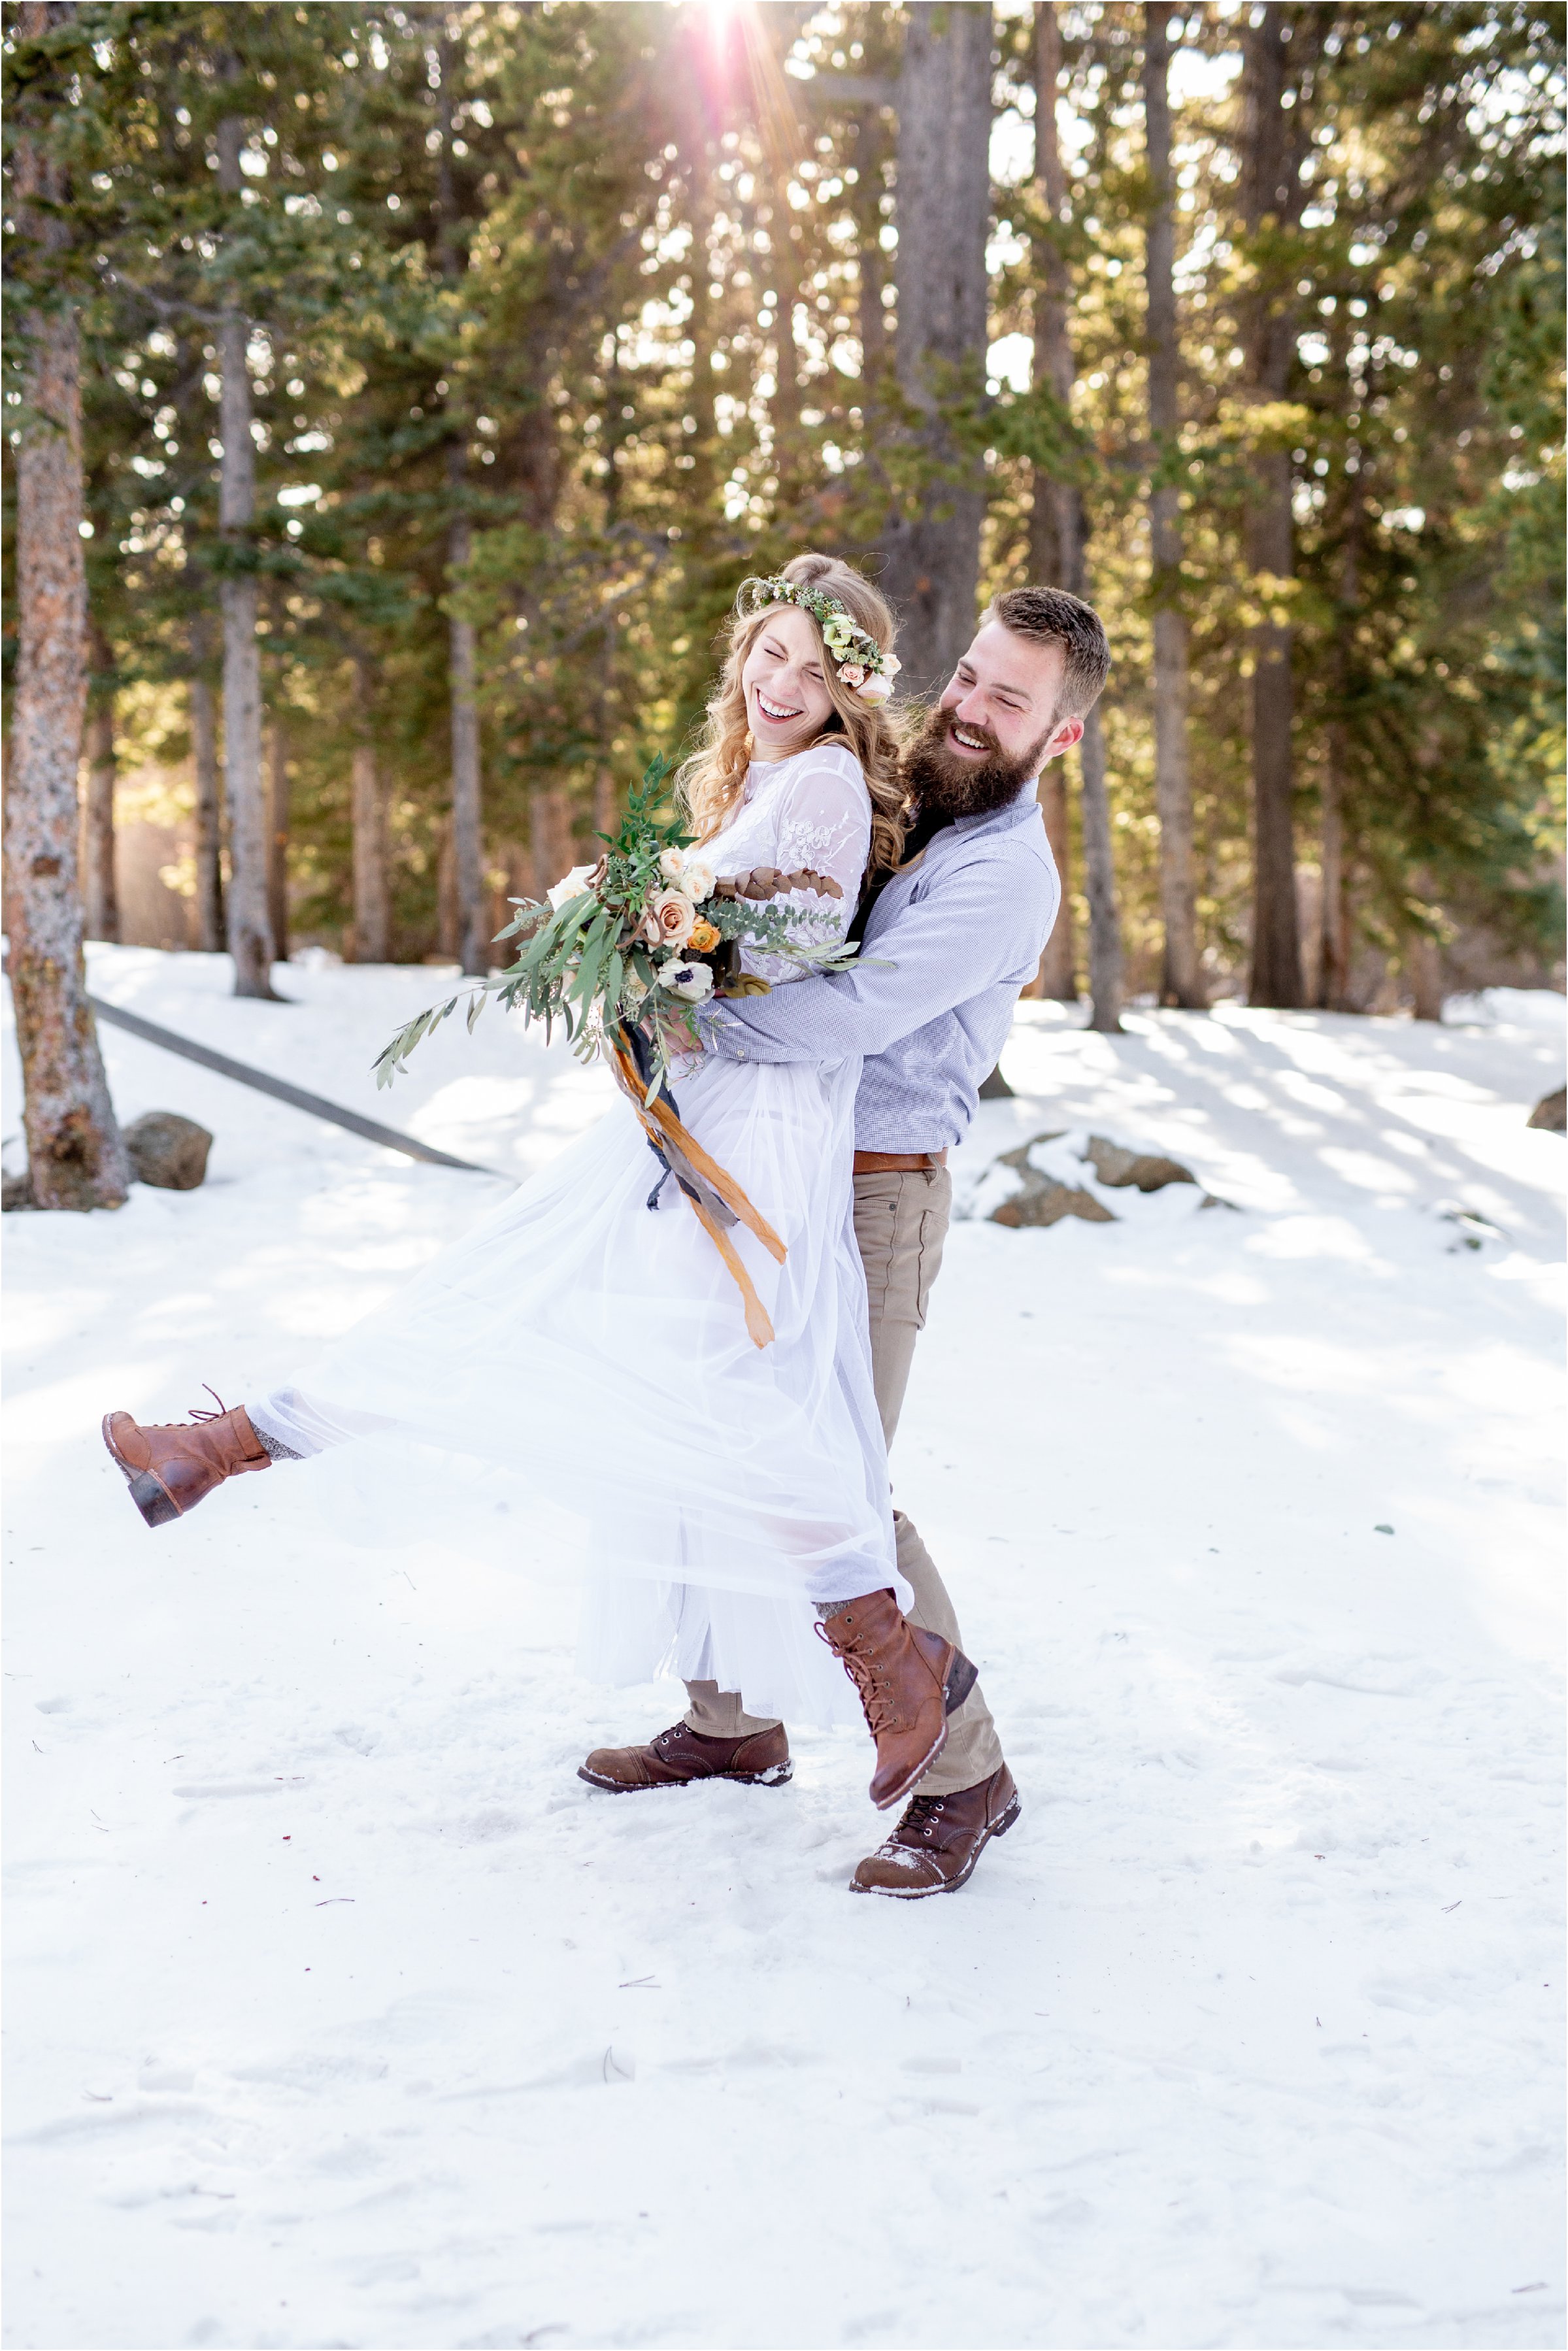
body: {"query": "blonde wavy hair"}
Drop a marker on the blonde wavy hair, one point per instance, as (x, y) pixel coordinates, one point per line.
(710, 782)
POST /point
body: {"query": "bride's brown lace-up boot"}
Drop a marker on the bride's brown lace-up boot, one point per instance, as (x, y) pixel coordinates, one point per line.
(172, 1465)
(909, 1682)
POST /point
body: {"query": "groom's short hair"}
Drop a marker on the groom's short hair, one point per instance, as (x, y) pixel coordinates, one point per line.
(1051, 616)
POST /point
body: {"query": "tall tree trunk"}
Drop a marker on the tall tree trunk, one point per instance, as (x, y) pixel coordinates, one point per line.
(75, 1155)
(549, 836)
(870, 260)
(373, 910)
(467, 855)
(249, 931)
(701, 474)
(1425, 964)
(1099, 880)
(209, 796)
(782, 290)
(787, 401)
(1058, 975)
(1181, 980)
(467, 840)
(1334, 962)
(1271, 194)
(1058, 551)
(789, 447)
(99, 897)
(933, 556)
(448, 926)
(1054, 533)
(1055, 530)
(277, 837)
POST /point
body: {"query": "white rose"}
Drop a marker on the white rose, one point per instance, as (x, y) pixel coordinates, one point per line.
(672, 863)
(698, 880)
(573, 886)
(875, 690)
(690, 981)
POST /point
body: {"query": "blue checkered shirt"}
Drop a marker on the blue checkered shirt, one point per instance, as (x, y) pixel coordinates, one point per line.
(949, 943)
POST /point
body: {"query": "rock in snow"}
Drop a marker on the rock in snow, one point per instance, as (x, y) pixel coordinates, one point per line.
(167, 1151)
(1117, 1165)
(1042, 1181)
(1038, 1198)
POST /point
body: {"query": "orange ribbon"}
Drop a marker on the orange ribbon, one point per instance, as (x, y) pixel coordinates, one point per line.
(696, 1173)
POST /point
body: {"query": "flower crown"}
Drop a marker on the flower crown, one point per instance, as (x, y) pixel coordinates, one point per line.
(859, 660)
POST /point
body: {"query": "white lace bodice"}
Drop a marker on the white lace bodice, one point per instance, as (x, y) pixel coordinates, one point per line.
(813, 809)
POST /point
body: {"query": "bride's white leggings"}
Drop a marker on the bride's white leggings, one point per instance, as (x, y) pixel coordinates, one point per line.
(286, 1411)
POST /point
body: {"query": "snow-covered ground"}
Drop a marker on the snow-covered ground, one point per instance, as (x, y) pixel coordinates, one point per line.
(1246, 2035)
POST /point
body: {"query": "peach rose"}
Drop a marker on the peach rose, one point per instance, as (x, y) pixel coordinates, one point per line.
(875, 690)
(704, 937)
(669, 919)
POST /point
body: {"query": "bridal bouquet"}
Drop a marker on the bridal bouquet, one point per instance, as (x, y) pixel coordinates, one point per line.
(623, 954)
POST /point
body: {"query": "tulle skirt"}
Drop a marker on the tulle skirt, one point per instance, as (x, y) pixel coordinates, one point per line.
(571, 1388)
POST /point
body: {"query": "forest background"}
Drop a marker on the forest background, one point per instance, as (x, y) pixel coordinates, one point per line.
(443, 369)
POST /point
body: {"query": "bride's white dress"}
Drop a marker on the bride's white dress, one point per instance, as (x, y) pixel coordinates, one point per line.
(579, 1349)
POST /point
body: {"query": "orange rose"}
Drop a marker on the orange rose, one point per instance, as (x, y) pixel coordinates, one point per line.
(704, 937)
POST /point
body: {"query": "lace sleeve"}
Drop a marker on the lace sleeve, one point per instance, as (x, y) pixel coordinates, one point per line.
(823, 821)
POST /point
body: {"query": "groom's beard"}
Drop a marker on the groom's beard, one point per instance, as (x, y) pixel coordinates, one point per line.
(943, 784)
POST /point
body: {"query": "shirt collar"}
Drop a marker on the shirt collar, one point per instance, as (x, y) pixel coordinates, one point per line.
(1010, 812)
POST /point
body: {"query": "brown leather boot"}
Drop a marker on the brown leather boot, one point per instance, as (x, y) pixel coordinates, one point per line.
(680, 1755)
(936, 1845)
(172, 1465)
(909, 1682)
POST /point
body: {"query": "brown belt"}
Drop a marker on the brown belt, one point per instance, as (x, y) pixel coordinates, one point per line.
(884, 1163)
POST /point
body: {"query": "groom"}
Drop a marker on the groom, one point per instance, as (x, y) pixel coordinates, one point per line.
(949, 939)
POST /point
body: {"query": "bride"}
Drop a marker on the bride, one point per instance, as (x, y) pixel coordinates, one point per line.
(575, 1372)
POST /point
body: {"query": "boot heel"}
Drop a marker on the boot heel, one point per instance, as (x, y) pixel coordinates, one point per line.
(152, 1501)
(961, 1679)
(1005, 1820)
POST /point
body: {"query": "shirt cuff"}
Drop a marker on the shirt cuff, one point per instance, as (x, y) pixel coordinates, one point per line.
(721, 1032)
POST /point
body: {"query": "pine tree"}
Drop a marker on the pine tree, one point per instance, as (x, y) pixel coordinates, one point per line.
(75, 1155)
(933, 542)
(1272, 155)
(1181, 982)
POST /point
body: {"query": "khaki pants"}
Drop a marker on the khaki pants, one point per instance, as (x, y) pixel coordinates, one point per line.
(901, 1223)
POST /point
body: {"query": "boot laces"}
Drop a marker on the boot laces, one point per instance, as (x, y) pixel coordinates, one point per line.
(920, 1818)
(876, 1696)
(199, 1414)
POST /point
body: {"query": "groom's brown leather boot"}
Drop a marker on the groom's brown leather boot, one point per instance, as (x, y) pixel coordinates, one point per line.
(680, 1755)
(909, 1682)
(172, 1465)
(936, 1845)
